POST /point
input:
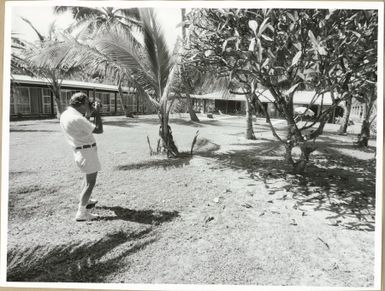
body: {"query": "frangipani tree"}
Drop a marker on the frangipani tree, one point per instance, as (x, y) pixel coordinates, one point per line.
(204, 47)
(282, 51)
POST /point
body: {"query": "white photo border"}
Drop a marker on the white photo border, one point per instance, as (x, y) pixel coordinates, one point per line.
(189, 4)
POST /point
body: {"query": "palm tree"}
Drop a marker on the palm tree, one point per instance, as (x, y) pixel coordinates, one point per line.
(30, 56)
(92, 21)
(101, 18)
(147, 65)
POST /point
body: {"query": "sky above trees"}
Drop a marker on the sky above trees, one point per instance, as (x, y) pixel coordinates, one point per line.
(42, 16)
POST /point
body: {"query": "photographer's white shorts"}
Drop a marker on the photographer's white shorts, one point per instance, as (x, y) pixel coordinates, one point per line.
(87, 160)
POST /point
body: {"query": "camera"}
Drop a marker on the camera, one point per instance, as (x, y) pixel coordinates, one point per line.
(94, 104)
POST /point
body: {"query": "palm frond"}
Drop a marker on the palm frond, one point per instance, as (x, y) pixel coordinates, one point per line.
(80, 13)
(130, 12)
(156, 49)
(130, 17)
(51, 30)
(41, 37)
(122, 48)
(61, 9)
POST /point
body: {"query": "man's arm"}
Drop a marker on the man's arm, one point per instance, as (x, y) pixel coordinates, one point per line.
(97, 120)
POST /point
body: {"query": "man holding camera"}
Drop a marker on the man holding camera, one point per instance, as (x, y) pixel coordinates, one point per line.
(79, 133)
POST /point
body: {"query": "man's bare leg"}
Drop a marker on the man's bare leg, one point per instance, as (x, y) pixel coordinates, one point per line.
(88, 186)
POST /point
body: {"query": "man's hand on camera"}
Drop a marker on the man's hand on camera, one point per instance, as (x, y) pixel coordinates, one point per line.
(96, 106)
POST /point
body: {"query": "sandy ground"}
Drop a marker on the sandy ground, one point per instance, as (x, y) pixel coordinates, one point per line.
(231, 214)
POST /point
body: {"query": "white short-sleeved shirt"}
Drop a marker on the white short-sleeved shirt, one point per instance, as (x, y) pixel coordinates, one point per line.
(77, 129)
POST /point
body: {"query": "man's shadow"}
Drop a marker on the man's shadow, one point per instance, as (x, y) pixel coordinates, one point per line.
(153, 217)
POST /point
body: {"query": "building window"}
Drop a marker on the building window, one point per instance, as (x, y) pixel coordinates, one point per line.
(104, 98)
(21, 101)
(65, 96)
(112, 101)
(46, 100)
(118, 104)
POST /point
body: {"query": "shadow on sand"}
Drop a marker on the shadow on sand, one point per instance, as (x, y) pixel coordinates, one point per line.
(337, 182)
(86, 261)
(140, 216)
(74, 262)
(203, 147)
(137, 121)
(32, 130)
(340, 184)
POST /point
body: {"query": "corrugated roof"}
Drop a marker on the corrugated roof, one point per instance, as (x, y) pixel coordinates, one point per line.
(69, 83)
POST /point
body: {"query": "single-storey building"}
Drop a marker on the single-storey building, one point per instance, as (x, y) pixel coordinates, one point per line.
(32, 97)
(236, 103)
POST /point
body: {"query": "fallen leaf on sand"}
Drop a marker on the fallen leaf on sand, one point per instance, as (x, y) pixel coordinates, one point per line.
(208, 218)
(320, 239)
(247, 205)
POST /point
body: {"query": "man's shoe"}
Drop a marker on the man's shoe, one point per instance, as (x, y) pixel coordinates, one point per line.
(91, 203)
(85, 216)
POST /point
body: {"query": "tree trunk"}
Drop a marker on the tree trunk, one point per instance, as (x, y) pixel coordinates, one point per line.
(55, 87)
(306, 150)
(58, 105)
(294, 137)
(59, 108)
(347, 105)
(125, 108)
(288, 154)
(363, 137)
(165, 134)
(190, 108)
(249, 120)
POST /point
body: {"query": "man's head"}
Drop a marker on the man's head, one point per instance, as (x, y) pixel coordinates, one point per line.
(80, 102)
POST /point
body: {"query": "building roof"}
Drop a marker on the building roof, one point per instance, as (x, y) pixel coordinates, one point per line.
(24, 79)
(300, 97)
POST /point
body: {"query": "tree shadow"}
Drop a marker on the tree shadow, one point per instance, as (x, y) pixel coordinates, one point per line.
(75, 262)
(152, 217)
(130, 122)
(20, 173)
(165, 163)
(203, 147)
(191, 123)
(327, 142)
(340, 184)
(119, 123)
(32, 130)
